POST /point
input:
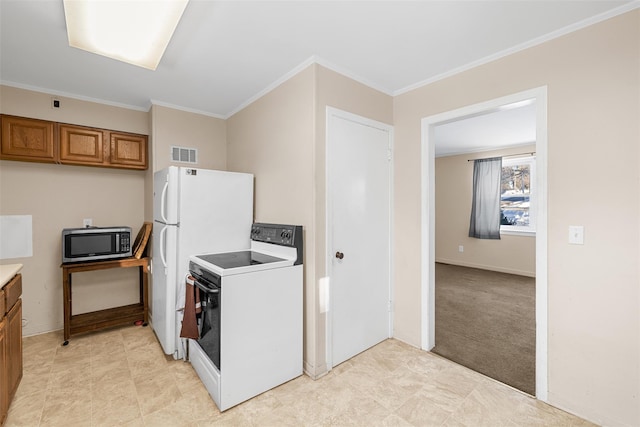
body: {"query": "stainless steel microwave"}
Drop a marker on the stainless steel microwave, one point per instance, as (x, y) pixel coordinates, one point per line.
(95, 243)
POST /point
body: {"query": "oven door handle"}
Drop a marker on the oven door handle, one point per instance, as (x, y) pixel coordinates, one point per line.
(205, 288)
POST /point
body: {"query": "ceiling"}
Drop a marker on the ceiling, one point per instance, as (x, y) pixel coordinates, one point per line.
(508, 126)
(225, 54)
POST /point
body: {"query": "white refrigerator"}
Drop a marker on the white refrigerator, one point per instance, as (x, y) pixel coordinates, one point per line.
(195, 211)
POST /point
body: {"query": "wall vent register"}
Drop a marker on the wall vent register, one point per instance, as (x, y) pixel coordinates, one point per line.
(184, 154)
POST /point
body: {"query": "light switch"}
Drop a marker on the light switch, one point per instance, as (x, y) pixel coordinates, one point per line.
(576, 235)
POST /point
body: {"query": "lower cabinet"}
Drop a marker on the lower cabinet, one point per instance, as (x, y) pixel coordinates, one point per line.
(10, 344)
(14, 347)
(4, 372)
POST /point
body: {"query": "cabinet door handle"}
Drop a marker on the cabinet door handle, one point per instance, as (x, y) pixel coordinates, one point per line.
(339, 255)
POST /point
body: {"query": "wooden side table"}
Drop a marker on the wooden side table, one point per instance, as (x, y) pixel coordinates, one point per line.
(96, 320)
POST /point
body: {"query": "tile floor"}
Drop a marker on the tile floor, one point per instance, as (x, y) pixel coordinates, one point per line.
(121, 377)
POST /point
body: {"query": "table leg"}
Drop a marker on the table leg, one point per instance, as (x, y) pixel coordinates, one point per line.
(144, 272)
(66, 295)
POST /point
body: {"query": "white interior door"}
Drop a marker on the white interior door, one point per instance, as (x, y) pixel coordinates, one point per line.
(358, 231)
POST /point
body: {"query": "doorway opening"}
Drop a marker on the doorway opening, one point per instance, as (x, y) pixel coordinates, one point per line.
(429, 137)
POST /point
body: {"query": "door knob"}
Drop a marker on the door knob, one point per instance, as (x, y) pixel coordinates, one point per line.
(339, 255)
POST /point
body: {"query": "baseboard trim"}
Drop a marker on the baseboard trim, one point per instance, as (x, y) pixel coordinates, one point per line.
(486, 267)
(314, 372)
(41, 332)
(582, 411)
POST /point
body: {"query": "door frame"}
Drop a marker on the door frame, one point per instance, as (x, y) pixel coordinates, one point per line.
(325, 285)
(427, 316)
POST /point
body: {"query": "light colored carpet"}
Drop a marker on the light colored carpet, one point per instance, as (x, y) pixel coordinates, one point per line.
(486, 321)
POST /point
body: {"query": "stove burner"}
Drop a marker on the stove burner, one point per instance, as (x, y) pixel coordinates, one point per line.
(238, 259)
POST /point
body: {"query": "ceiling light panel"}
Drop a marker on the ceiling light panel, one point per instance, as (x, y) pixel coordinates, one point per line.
(132, 31)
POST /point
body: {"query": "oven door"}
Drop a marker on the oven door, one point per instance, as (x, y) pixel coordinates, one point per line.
(209, 339)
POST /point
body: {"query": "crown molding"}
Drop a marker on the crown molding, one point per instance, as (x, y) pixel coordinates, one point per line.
(71, 96)
(531, 43)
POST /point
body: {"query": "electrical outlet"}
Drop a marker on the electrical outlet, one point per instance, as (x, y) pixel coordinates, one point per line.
(576, 234)
(460, 248)
(87, 222)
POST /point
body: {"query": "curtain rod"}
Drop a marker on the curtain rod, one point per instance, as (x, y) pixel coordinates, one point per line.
(510, 155)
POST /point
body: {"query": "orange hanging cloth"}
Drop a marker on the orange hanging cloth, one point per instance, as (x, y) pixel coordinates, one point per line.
(191, 308)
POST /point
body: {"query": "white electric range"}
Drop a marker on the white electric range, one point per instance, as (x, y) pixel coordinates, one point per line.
(251, 321)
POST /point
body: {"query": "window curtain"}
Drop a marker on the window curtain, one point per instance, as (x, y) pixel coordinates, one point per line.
(485, 206)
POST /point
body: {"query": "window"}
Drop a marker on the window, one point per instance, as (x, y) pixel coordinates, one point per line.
(517, 195)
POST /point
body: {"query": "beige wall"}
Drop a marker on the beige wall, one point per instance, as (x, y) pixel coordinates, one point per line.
(50, 194)
(273, 139)
(28, 103)
(593, 81)
(207, 134)
(514, 254)
(281, 139)
(59, 196)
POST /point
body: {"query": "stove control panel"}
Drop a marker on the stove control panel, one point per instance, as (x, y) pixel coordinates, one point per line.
(278, 234)
(274, 233)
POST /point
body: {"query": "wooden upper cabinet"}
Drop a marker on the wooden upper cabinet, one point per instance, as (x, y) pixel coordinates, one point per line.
(43, 141)
(28, 140)
(128, 150)
(81, 145)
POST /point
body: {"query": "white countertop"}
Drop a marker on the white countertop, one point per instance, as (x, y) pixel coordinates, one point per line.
(7, 272)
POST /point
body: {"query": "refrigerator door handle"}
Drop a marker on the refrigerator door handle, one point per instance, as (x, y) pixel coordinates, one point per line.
(162, 247)
(163, 203)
